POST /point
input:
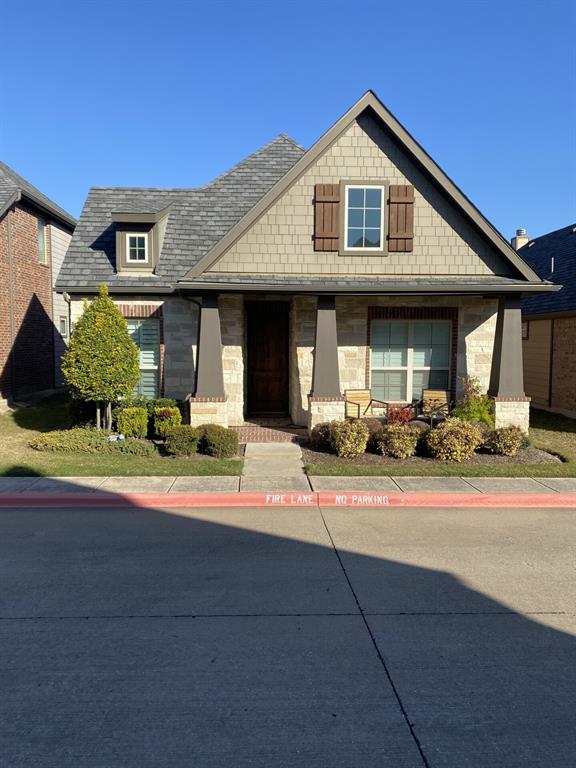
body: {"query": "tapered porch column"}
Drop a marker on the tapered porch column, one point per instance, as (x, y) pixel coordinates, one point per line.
(209, 372)
(325, 402)
(507, 374)
(326, 375)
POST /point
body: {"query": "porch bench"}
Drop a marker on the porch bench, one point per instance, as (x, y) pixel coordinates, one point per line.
(359, 402)
(435, 404)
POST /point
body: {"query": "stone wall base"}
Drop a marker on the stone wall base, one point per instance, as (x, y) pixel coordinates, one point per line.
(204, 410)
(512, 411)
(324, 409)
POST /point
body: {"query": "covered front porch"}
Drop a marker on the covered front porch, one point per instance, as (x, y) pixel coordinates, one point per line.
(293, 356)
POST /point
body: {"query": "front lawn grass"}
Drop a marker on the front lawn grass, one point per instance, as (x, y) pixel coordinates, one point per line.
(17, 458)
(549, 432)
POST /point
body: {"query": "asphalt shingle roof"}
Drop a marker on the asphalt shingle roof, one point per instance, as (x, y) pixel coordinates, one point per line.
(560, 245)
(198, 219)
(11, 182)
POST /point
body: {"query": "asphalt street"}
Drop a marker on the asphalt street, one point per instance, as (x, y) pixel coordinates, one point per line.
(288, 637)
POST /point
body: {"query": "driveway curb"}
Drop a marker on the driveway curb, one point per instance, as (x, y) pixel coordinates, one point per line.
(286, 499)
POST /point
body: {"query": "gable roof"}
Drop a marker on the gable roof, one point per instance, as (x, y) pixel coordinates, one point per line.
(13, 187)
(369, 101)
(198, 219)
(559, 245)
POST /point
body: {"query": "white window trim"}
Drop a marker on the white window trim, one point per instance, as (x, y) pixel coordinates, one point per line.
(63, 321)
(351, 249)
(146, 248)
(409, 367)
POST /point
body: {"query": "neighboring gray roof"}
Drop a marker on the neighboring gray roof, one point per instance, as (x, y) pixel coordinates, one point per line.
(198, 219)
(560, 245)
(13, 186)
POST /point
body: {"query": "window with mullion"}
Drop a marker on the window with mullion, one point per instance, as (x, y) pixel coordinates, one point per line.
(137, 248)
(146, 336)
(364, 217)
(408, 357)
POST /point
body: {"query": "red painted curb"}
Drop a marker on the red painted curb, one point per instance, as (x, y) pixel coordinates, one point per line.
(285, 499)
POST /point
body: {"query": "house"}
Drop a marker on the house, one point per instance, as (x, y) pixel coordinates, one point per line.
(34, 236)
(549, 321)
(298, 275)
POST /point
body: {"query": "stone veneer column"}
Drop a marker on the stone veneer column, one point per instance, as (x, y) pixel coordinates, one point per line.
(208, 404)
(325, 402)
(512, 407)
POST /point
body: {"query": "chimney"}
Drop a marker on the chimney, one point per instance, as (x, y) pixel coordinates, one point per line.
(520, 239)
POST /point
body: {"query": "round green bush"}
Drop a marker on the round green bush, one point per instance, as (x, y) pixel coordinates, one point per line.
(165, 418)
(217, 441)
(182, 440)
(454, 440)
(133, 446)
(132, 422)
(320, 438)
(505, 441)
(398, 441)
(349, 438)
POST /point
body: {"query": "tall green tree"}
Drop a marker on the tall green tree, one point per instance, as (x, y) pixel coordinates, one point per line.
(101, 363)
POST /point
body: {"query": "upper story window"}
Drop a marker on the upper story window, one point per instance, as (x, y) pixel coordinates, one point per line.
(364, 218)
(42, 257)
(137, 248)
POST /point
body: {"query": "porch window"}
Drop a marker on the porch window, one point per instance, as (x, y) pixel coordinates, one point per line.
(146, 336)
(408, 357)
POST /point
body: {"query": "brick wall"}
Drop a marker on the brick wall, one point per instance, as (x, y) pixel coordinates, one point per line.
(280, 242)
(27, 360)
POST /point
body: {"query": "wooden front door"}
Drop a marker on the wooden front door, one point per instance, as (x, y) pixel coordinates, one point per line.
(267, 357)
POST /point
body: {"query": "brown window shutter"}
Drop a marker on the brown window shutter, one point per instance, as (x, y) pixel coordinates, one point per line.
(326, 217)
(401, 229)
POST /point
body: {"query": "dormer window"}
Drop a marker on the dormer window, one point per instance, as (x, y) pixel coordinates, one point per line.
(137, 248)
(139, 240)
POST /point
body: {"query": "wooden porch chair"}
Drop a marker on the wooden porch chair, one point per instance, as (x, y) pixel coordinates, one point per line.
(434, 405)
(360, 402)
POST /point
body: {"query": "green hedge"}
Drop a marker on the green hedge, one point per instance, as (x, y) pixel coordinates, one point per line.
(166, 418)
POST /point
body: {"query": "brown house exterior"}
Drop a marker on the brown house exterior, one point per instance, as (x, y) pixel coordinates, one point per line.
(34, 235)
(301, 274)
(549, 323)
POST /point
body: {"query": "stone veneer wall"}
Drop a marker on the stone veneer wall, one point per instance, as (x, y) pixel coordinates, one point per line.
(233, 335)
(476, 328)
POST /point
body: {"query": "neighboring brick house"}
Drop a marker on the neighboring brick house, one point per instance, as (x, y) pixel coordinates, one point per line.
(300, 274)
(34, 319)
(549, 321)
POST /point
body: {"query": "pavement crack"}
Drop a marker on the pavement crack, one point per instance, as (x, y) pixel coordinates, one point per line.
(381, 659)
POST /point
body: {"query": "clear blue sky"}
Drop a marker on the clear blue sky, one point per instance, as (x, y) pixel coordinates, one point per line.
(165, 93)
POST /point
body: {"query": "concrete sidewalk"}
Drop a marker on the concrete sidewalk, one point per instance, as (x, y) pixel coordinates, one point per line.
(259, 477)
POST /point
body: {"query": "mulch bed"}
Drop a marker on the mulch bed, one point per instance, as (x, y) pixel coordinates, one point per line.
(524, 456)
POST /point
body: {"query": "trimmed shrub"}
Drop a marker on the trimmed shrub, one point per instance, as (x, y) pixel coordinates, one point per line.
(320, 438)
(217, 441)
(133, 422)
(454, 440)
(400, 414)
(505, 441)
(165, 419)
(398, 441)
(349, 437)
(421, 429)
(374, 433)
(85, 440)
(182, 440)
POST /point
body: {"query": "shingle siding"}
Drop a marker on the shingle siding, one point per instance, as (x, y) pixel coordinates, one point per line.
(281, 243)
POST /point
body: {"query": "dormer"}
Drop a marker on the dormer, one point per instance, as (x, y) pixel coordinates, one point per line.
(139, 240)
